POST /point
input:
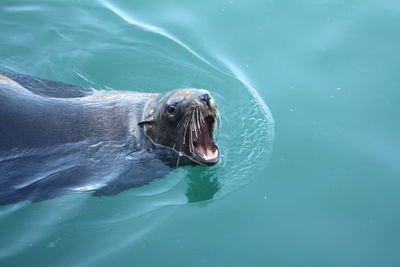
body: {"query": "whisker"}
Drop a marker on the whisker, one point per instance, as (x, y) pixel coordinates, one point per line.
(179, 156)
(195, 126)
(182, 119)
(185, 127)
(198, 120)
(195, 119)
(191, 136)
(202, 121)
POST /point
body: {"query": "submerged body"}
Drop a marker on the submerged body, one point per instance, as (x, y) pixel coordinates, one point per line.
(56, 138)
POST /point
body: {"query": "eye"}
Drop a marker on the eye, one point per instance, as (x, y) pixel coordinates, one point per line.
(171, 109)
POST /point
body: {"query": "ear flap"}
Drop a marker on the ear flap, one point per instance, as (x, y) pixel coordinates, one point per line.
(144, 122)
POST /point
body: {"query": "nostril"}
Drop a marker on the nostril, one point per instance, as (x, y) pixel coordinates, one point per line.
(205, 97)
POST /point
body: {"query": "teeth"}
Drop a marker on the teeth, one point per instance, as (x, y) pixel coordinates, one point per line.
(210, 154)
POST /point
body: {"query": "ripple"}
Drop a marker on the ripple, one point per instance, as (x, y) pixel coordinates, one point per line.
(247, 133)
(125, 53)
(151, 28)
(258, 126)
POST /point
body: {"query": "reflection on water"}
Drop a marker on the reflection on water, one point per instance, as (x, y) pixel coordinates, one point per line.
(202, 184)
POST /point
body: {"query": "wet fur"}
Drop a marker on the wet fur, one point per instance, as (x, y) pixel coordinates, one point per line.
(57, 138)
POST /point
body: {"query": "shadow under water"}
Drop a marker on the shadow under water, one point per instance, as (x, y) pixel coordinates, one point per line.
(202, 184)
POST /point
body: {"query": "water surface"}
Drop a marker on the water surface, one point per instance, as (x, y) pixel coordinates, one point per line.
(319, 187)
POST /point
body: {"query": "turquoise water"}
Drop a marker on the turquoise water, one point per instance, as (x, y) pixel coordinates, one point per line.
(308, 94)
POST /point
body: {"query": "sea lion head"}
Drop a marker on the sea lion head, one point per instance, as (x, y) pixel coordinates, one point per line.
(184, 120)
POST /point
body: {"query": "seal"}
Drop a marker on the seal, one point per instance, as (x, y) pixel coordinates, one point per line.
(57, 137)
(184, 121)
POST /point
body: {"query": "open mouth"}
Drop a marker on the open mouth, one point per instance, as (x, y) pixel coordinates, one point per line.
(203, 142)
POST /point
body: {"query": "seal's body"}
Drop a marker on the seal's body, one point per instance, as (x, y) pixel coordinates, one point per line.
(56, 137)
